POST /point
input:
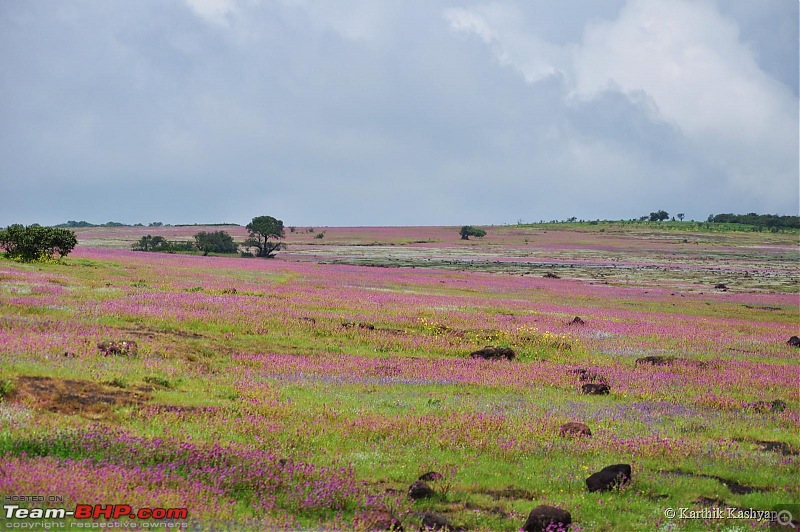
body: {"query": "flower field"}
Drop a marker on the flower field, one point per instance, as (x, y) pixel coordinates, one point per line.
(311, 390)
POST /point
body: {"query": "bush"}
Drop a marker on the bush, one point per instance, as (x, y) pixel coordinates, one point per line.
(35, 242)
(161, 244)
(216, 242)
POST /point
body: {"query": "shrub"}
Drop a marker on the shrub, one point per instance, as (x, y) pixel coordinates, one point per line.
(35, 242)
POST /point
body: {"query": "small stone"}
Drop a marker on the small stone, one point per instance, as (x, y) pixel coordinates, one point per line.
(420, 490)
(595, 389)
(575, 429)
(491, 352)
(126, 348)
(547, 518)
(432, 521)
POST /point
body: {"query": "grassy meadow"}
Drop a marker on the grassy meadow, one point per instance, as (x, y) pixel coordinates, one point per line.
(309, 391)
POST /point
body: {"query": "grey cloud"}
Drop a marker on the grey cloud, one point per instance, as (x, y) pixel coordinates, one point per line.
(330, 113)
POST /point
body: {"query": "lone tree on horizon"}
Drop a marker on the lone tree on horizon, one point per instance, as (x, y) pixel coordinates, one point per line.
(468, 231)
(262, 229)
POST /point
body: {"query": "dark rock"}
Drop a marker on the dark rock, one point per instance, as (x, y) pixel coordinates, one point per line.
(432, 521)
(124, 348)
(551, 275)
(575, 429)
(430, 476)
(777, 447)
(548, 518)
(794, 341)
(764, 407)
(595, 389)
(721, 286)
(577, 321)
(375, 520)
(609, 478)
(494, 353)
(354, 325)
(420, 490)
(655, 360)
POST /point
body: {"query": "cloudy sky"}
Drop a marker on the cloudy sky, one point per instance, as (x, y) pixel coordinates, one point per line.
(396, 112)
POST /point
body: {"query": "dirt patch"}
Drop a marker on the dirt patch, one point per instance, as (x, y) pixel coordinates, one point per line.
(145, 332)
(732, 485)
(73, 397)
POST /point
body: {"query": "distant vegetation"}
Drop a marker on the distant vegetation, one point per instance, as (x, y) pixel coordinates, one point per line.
(770, 221)
(34, 242)
(73, 224)
(204, 242)
(160, 244)
(216, 242)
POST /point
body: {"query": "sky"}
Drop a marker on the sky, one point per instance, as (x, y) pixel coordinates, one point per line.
(396, 112)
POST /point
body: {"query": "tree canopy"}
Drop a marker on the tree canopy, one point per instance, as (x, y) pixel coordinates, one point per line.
(215, 242)
(262, 230)
(468, 231)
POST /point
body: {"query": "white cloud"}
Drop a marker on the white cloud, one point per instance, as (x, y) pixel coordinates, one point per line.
(499, 26)
(214, 11)
(684, 58)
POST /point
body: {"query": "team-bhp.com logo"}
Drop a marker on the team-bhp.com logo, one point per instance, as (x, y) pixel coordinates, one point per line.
(95, 511)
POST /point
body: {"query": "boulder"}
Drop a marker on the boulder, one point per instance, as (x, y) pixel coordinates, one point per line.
(420, 490)
(432, 521)
(794, 341)
(608, 478)
(575, 429)
(491, 352)
(123, 348)
(577, 321)
(595, 389)
(375, 520)
(721, 286)
(547, 518)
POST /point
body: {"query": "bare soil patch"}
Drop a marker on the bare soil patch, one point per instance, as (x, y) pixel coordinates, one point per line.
(74, 397)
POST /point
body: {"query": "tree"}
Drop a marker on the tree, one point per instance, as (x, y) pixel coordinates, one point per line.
(35, 242)
(261, 230)
(681, 216)
(216, 242)
(659, 216)
(468, 231)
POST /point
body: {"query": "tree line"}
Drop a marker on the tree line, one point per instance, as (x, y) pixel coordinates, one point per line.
(770, 221)
(265, 233)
